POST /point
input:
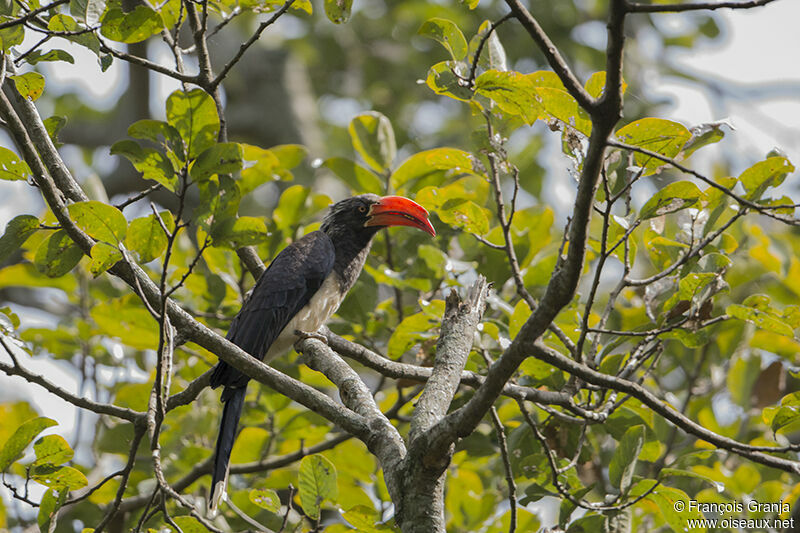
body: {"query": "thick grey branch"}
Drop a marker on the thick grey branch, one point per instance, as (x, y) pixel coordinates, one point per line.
(395, 370)
(384, 440)
(461, 318)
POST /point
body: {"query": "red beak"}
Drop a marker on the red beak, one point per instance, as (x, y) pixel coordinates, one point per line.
(399, 211)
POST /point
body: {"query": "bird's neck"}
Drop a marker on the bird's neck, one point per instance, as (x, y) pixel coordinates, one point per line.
(351, 254)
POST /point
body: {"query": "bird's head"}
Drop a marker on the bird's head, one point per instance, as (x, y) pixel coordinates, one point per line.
(368, 213)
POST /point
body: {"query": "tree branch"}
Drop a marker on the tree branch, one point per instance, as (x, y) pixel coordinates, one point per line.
(635, 7)
(461, 318)
(554, 58)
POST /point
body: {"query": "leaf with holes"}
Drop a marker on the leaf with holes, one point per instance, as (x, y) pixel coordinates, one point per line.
(52, 449)
(674, 197)
(317, 483)
(30, 85)
(266, 499)
(338, 11)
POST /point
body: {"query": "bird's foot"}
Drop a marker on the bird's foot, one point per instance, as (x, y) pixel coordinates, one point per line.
(303, 335)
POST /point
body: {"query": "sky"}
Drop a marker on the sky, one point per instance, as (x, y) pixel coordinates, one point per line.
(759, 57)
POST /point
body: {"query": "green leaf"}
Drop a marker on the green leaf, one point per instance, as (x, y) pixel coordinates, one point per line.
(466, 215)
(657, 135)
(453, 206)
(412, 329)
(52, 449)
(132, 27)
(266, 499)
(222, 158)
(195, 117)
(146, 236)
(596, 84)
(704, 135)
(243, 231)
(11, 37)
(289, 155)
(101, 221)
(59, 477)
(53, 125)
(266, 167)
(150, 162)
(784, 416)
(127, 319)
(290, 207)
(373, 138)
(365, 519)
(29, 85)
(431, 167)
(520, 315)
(87, 11)
(219, 201)
(665, 498)
(623, 462)
(338, 11)
(52, 55)
(104, 256)
(64, 23)
(48, 509)
(317, 483)
(764, 174)
(762, 319)
(18, 230)
(561, 105)
(159, 132)
(57, 255)
(359, 179)
(513, 92)
(12, 167)
(443, 81)
(447, 33)
(189, 524)
(493, 55)
(674, 197)
(23, 436)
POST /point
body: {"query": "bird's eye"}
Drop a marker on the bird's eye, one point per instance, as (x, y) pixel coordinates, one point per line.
(362, 208)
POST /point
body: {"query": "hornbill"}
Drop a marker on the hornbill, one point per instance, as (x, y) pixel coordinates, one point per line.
(299, 291)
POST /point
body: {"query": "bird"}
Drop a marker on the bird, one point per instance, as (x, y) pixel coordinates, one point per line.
(296, 294)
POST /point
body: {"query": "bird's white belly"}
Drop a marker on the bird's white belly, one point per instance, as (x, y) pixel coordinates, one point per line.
(316, 312)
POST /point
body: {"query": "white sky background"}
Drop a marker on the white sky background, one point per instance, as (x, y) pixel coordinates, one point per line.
(756, 59)
(759, 46)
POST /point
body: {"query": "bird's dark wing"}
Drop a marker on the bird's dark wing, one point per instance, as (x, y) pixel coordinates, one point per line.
(285, 287)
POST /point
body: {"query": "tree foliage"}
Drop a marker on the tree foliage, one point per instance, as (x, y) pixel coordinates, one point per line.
(629, 355)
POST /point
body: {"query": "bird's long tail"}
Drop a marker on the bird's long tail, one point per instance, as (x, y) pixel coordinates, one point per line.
(234, 401)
